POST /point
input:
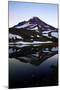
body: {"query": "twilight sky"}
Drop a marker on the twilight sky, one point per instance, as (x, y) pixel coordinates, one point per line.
(20, 11)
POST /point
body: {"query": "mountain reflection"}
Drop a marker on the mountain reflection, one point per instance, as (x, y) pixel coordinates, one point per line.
(34, 55)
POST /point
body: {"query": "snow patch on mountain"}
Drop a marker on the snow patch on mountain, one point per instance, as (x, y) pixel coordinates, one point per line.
(23, 26)
(14, 36)
(55, 34)
(35, 28)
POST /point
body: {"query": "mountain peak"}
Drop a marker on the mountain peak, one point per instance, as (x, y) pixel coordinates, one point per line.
(34, 20)
(33, 23)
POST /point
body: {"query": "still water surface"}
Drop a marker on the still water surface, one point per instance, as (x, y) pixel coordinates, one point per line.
(31, 66)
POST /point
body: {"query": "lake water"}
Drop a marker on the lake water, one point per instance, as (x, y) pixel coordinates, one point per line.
(33, 66)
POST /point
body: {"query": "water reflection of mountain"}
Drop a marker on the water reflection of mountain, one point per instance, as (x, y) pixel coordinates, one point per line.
(34, 55)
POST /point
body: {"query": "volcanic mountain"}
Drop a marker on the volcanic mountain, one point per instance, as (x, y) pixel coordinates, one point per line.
(34, 30)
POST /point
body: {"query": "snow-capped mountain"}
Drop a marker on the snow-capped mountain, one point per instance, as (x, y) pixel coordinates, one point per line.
(33, 30)
(35, 23)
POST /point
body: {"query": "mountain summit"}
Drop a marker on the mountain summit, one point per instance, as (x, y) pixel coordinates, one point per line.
(35, 23)
(33, 30)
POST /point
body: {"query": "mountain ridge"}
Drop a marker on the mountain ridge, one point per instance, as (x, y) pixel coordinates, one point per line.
(34, 22)
(34, 30)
